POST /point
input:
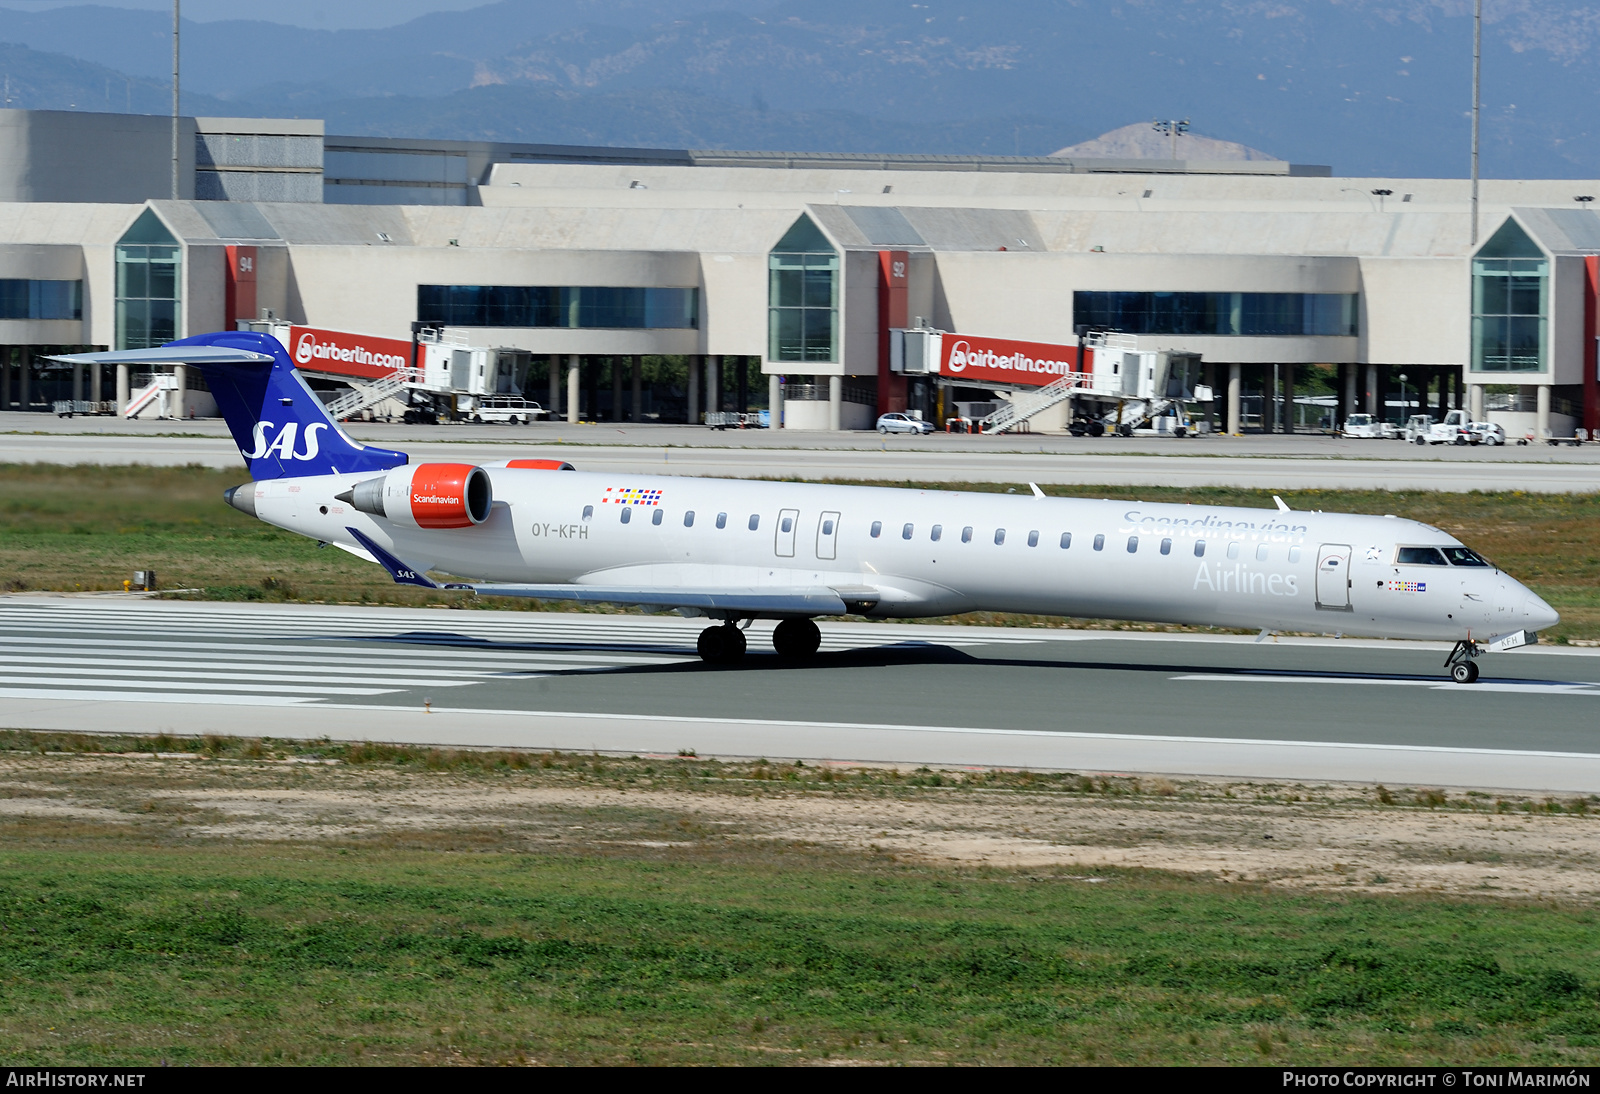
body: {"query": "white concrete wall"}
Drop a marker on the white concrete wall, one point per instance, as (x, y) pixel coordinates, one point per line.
(1415, 311)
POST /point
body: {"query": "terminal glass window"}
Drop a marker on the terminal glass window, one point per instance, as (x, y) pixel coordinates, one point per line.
(1510, 303)
(1219, 313)
(20, 299)
(149, 266)
(571, 307)
(803, 296)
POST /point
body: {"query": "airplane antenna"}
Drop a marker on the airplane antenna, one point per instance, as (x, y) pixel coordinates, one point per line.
(1283, 506)
(1036, 491)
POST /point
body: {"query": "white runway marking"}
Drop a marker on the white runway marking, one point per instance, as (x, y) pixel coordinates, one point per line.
(1531, 687)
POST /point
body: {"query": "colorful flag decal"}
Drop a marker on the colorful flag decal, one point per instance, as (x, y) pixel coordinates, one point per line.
(631, 496)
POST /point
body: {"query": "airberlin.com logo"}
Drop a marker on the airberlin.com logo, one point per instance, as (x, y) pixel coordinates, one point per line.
(308, 349)
(963, 356)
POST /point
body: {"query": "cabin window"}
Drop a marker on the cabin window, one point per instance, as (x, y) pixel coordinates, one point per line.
(1133, 544)
(1233, 549)
(1066, 540)
(966, 534)
(1099, 543)
(786, 524)
(877, 528)
(688, 519)
(938, 530)
(999, 536)
(1199, 548)
(1033, 539)
(1261, 552)
(627, 513)
(1419, 556)
(722, 520)
(657, 517)
(1461, 556)
(827, 527)
(588, 511)
(755, 521)
(1166, 546)
(1294, 554)
(905, 533)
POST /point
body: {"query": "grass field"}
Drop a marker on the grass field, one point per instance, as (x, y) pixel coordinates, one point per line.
(605, 929)
(71, 528)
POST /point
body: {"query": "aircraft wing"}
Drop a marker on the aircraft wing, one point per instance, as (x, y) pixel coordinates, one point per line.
(796, 600)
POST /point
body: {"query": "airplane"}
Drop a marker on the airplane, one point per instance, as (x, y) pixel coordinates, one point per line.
(733, 551)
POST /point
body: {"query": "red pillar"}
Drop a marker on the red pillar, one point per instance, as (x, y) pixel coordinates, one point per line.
(1591, 328)
(239, 291)
(892, 307)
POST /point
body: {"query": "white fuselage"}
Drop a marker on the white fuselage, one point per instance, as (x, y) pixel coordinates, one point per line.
(936, 552)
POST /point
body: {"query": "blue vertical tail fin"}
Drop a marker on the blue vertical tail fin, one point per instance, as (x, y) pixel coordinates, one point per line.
(277, 421)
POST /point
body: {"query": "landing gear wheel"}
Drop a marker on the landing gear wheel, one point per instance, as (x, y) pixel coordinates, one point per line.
(796, 638)
(722, 645)
(1464, 672)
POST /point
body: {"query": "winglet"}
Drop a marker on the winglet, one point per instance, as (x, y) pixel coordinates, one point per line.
(402, 574)
(1283, 506)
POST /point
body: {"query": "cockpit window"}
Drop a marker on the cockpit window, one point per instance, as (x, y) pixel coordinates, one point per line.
(1419, 556)
(1461, 556)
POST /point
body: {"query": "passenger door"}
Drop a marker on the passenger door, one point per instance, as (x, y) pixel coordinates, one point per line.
(828, 536)
(1333, 577)
(788, 520)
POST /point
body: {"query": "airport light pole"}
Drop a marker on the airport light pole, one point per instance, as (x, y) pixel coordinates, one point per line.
(1477, 62)
(1173, 129)
(1405, 403)
(175, 4)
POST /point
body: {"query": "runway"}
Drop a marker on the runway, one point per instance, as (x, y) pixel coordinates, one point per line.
(1093, 701)
(904, 459)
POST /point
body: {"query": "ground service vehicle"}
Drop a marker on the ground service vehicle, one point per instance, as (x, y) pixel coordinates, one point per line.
(1365, 426)
(734, 550)
(511, 409)
(1488, 433)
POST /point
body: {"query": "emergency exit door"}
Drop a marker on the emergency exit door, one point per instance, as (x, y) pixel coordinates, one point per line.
(1333, 577)
(788, 521)
(828, 535)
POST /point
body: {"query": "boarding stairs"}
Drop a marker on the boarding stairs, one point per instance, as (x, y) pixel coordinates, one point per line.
(159, 384)
(1134, 413)
(1023, 406)
(361, 396)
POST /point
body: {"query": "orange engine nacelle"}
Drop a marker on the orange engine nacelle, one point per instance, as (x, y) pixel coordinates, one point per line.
(428, 495)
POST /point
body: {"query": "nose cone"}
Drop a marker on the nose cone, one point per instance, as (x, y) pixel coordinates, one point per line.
(1537, 615)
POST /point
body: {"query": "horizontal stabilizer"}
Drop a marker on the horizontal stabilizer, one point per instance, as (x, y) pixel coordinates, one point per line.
(168, 355)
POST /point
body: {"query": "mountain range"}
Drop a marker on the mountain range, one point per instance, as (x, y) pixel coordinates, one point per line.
(1371, 87)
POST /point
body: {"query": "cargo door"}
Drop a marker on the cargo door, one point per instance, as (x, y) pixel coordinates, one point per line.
(1333, 577)
(788, 522)
(828, 536)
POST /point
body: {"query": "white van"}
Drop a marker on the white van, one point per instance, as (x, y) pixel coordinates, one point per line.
(510, 409)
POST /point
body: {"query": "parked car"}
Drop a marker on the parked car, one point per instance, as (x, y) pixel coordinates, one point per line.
(895, 422)
(1488, 433)
(512, 409)
(1365, 426)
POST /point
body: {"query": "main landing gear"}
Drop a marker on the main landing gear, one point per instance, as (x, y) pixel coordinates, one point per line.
(794, 639)
(1463, 669)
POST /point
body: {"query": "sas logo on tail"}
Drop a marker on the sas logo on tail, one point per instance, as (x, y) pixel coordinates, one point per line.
(283, 445)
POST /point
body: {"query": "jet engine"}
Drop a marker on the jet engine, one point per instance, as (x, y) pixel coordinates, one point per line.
(426, 495)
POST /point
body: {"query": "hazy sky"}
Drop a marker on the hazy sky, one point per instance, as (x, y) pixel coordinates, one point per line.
(320, 14)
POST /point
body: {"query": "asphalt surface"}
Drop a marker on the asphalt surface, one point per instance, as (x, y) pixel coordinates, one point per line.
(1097, 701)
(1299, 462)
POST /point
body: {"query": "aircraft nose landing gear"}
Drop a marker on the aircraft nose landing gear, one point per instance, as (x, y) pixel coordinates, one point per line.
(722, 645)
(1463, 669)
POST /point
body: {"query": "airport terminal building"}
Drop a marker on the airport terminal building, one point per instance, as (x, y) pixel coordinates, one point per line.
(785, 278)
